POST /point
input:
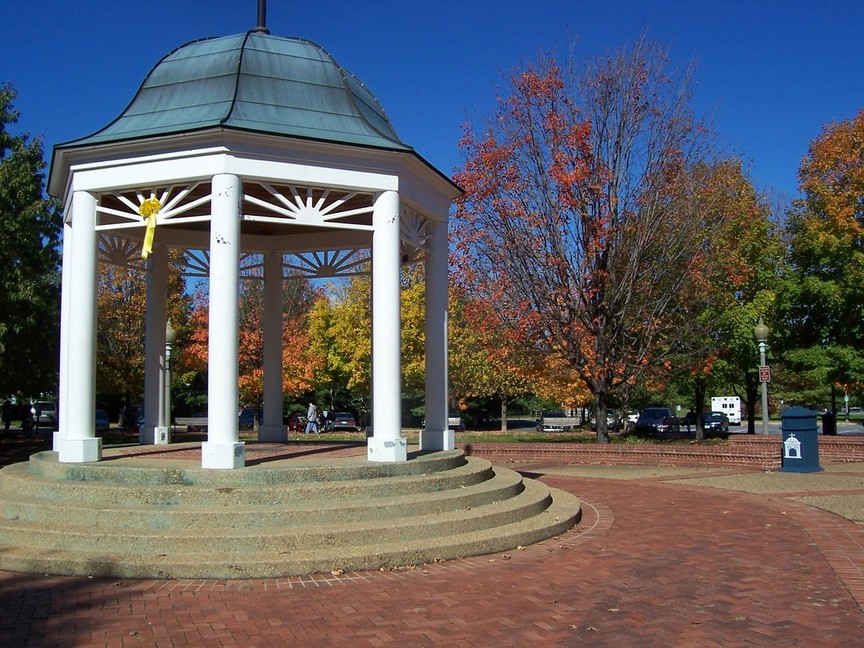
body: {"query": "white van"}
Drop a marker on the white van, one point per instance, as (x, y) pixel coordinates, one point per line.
(729, 405)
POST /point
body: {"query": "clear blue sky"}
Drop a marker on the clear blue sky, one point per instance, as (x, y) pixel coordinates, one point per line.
(770, 73)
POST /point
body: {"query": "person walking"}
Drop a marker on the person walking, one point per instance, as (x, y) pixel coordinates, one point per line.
(311, 419)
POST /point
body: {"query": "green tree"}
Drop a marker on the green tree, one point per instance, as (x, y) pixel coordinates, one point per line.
(30, 226)
(734, 280)
(823, 302)
(340, 342)
(488, 360)
(413, 308)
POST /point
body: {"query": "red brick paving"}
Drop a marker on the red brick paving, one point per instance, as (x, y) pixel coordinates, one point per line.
(651, 564)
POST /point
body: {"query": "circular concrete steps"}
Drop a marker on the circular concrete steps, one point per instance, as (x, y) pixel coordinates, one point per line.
(141, 518)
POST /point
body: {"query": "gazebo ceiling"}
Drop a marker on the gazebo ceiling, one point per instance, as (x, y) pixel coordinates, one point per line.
(253, 82)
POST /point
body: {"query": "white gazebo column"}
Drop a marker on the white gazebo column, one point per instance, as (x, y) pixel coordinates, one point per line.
(436, 435)
(271, 428)
(79, 442)
(65, 306)
(155, 430)
(387, 443)
(223, 449)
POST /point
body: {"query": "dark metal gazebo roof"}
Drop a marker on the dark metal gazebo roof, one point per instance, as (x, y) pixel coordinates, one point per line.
(253, 82)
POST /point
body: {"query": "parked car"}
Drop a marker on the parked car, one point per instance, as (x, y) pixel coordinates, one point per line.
(296, 422)
(44, 413)
(613, 421)
(656, 420)
(247, 418)
(556, 421)
(200, 424)
(341, 421)
(102, 423)
(129, 416)
(455, 421)
(715, 423)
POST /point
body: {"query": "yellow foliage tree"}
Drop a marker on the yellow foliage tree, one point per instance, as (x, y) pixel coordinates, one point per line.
(121, 304)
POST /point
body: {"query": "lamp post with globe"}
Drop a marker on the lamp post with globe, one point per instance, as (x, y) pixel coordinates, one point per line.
(761, 334)
(165, 409)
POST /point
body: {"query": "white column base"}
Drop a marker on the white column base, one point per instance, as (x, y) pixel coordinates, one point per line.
(379, 449)
(79, 450)
(273, 433)
(161, 435)
(158, 435)
(435, 440)
(223, 455)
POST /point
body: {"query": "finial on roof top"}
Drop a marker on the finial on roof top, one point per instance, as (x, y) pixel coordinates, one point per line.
(262, 17)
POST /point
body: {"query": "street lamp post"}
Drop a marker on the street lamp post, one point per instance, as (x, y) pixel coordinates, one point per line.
(761, 334)
(165, 410)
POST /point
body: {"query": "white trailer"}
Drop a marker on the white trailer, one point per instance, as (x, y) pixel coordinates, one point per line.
(729, 405)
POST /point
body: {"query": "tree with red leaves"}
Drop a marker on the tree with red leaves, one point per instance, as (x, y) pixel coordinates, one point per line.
(297, 365)
(577, 223)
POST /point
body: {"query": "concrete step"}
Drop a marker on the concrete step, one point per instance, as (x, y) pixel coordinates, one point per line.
(142, 518)
(115, 469)
(211, 562)
(125, 485)
(123, 507)
(68, 534)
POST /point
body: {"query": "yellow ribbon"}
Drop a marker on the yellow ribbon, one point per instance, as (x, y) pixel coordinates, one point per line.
(148, 210)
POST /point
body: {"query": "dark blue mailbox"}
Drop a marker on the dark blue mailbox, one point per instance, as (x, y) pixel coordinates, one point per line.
(800, 450)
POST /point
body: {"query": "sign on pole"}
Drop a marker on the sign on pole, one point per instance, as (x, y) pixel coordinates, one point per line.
(765, 374)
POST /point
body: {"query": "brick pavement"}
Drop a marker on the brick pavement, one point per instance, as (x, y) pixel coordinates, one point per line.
(651, 564)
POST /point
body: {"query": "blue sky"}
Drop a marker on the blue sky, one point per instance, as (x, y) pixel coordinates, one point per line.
(770, 74)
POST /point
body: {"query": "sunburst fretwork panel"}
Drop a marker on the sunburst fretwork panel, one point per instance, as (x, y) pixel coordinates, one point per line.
(306, 205)
(177, 204)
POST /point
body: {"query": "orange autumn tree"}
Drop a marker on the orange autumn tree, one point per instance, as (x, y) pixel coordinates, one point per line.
(298, 366)
(574, 225)
(556, 380)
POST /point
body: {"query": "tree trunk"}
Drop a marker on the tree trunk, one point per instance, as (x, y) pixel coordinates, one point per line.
(699, 407)
(503, 413)
(600, 398)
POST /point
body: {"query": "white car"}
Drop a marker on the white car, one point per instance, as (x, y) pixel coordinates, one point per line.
(44, 413)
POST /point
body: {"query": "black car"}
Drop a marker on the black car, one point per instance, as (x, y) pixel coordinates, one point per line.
(129, 416)
(656, 420)
(715, 423)
(247, 418)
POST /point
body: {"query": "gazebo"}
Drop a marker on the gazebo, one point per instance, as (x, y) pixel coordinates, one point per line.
(246, 150)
